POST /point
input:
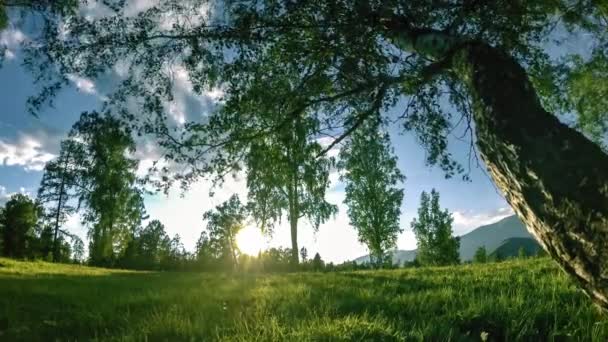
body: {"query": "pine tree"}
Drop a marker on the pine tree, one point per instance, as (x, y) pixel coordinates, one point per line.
(59, 187)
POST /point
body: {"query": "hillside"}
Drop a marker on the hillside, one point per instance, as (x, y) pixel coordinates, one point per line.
(531, 300)
(399, 256)
(510, 248)
(490, 236)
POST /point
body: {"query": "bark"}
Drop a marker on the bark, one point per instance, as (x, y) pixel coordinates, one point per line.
(294, 241)
(555, 179)
(293, 222)
(59, 208)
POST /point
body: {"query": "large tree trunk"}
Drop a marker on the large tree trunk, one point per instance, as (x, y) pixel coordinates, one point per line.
(555, 179)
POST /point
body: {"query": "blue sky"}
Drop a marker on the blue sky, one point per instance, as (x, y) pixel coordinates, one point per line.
(26, 142)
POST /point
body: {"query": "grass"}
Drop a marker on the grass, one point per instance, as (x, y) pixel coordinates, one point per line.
(515, 300)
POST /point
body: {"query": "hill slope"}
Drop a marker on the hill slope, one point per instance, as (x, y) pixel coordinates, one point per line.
(490, 236)
(510, 247)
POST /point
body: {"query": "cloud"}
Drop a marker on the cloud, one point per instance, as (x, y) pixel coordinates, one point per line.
(465, 221)
(27, 151)
(10, 39)
(83, 84)
(5, 195)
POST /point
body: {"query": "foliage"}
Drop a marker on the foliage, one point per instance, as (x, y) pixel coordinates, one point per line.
(373, 199)
(481, 255)
(285, 175)
(18, 221)
(223, 224)
(149, 248)
(114, 206)
(528, 299)
(317, 262)
(332, 64)
(433, 229)
(586, 87)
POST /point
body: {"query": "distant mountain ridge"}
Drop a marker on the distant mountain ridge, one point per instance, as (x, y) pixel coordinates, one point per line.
(507, 235)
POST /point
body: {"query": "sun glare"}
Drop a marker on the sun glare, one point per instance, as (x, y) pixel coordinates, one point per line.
(250, 240)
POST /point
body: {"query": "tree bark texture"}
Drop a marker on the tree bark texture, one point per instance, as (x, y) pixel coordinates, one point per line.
(555, 178)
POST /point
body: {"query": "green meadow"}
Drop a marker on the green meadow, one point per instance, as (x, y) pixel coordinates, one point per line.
(514, 300)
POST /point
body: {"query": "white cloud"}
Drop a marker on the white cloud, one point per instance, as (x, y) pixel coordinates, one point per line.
(11, 39)
(4, 195)
(465, 221)
(28, 152)
(83, 84)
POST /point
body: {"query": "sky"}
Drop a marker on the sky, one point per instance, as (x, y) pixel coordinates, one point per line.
(27, 142)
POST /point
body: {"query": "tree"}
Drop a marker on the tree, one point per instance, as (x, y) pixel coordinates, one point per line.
(154, 243)
(59, 185)
(481, 256)
(433, 229)
(372, 197)
(36, 6)
(355, 59)
(283, 175)
(114, 206)
(223, 224)
(317, 262)
(149, 248)
(19, 219)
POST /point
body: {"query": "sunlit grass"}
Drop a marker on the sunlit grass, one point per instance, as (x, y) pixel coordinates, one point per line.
(530, 300)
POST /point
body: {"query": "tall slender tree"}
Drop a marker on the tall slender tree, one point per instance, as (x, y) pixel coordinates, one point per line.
(373, 199)
(355, 59)
(59, 187)
(433, 229)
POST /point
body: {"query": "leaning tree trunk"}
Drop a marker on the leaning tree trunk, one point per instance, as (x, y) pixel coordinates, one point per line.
(555, 179)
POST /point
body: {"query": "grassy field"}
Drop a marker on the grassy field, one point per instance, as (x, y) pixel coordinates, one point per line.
(516, 300)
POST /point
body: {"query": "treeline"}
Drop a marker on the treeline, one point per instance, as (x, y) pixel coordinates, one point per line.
(95, 176)
(25, 234)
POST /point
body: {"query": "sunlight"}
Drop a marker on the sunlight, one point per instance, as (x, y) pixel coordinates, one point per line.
(250, 240)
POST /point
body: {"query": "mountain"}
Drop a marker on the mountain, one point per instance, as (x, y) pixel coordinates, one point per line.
(399, 256)
(510, 247)
(491, 236)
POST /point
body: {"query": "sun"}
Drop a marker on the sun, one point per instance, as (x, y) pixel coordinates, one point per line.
(250, 240)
